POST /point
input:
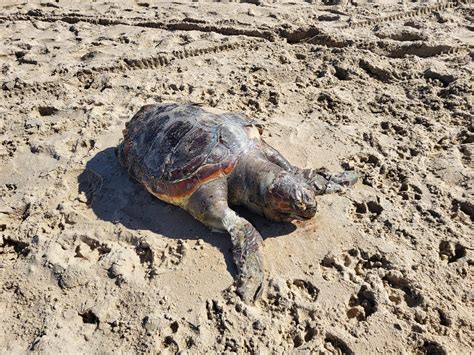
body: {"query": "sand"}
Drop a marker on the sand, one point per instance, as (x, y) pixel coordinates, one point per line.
(90, 262)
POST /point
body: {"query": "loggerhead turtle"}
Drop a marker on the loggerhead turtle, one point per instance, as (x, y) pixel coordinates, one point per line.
(204, 162)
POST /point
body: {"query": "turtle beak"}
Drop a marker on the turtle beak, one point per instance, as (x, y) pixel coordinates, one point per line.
(308, 213)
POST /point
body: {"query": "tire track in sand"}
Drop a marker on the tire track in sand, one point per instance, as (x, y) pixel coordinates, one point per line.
(127, 64)
(184, 25)
(408, 14)
(389, 49)
(162, 60)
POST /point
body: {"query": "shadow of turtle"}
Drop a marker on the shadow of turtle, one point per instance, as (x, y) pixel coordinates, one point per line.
(116, 198)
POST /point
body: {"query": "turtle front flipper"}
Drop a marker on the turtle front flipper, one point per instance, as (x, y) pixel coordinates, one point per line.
(325, 182)
(246, 242)
(322, 181)
(209, 205)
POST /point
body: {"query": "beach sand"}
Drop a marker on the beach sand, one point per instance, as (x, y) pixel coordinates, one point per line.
(91, 262)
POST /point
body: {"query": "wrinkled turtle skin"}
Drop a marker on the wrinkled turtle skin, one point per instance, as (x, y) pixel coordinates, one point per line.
(205, 162)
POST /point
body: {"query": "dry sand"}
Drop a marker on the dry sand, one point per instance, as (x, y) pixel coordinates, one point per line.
(90, 262)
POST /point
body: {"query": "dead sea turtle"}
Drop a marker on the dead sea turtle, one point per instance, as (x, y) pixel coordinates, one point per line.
(204, 162)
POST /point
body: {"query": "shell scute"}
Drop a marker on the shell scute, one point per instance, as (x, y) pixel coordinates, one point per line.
(173, 135)
(218, 154)
(190, 153)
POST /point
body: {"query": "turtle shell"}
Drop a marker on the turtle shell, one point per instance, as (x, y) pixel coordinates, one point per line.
(172, 149)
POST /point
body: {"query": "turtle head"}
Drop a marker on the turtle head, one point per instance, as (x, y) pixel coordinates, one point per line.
(288, 197)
